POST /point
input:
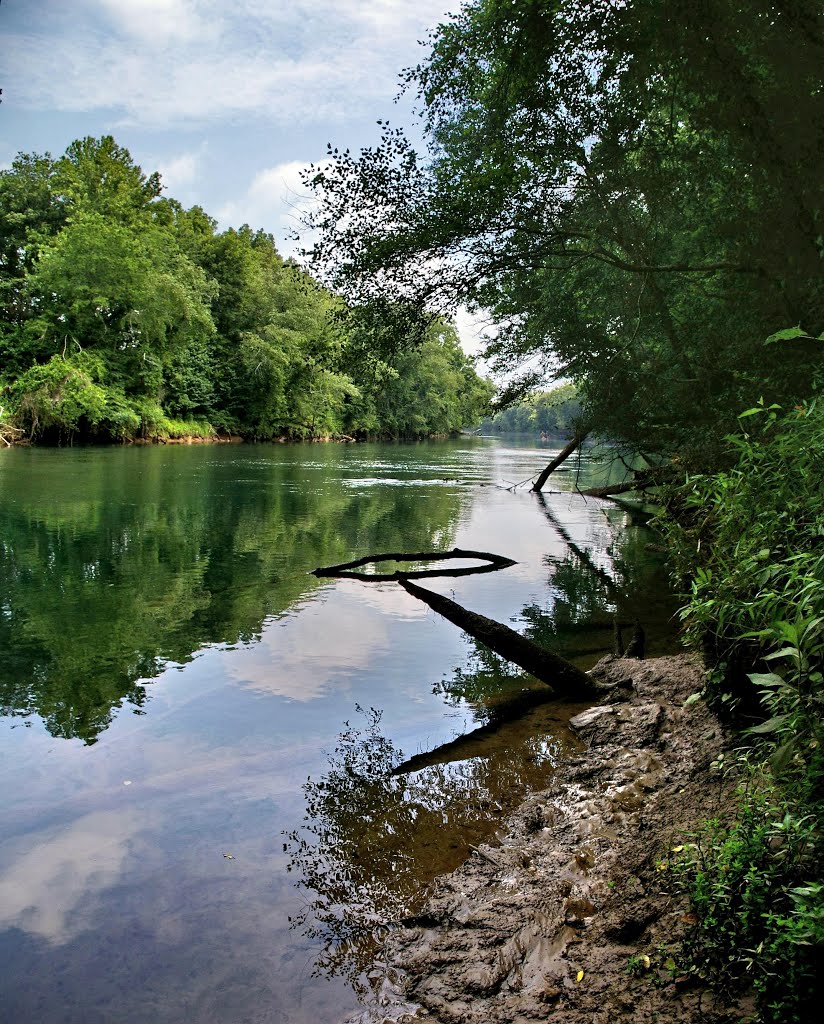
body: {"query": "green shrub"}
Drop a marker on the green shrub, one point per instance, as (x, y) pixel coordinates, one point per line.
(62, 395)
(747, 542)
(760, 918)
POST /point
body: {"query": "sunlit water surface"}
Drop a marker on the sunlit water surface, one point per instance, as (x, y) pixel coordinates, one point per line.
(198, 819)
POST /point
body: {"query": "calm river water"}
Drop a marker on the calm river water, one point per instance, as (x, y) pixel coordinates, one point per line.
(197, 821)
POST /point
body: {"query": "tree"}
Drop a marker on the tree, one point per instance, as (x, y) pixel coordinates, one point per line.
(123, 314)
(633, 194)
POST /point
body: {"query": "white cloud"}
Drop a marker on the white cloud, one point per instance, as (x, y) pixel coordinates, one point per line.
(177, 172)
(163, 62)
(157, 22)
(275, 201)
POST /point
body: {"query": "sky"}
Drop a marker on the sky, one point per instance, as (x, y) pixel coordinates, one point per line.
(228, 99)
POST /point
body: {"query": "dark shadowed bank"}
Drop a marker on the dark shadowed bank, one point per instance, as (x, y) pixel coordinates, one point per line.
(576, 913)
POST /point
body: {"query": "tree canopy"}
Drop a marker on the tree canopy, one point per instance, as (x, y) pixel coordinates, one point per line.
(631, 191)
(124, 315)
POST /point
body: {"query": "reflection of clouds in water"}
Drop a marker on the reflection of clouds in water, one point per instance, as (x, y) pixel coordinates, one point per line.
(386, 598)
(47, 887)
(299, 656)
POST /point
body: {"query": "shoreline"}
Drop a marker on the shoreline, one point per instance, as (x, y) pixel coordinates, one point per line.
(189, 439)
(573, 915)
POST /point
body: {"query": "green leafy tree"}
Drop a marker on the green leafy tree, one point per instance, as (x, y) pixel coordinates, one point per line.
(632, 193)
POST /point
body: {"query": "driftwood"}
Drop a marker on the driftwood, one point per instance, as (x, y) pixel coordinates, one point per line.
(344, 569)
(565, 678)
(561, 457)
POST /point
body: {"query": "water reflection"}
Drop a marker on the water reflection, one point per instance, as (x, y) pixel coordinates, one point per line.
(372, 841)
(589, 589)
(117, 901)
(110, 576)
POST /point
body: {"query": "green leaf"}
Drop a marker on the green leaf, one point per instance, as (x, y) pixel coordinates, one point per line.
(786, 335)
(781, 757)
(771, 725)
(765, 679)
(785, 652)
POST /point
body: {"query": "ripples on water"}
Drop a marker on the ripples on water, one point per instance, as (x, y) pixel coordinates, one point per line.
(176, 690)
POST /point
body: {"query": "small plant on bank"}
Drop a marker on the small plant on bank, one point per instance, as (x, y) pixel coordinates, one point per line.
(760, 919)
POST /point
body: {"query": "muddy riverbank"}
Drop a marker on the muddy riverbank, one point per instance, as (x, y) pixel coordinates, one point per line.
(574, 915)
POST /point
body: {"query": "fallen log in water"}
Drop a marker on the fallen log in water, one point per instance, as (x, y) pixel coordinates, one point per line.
(640, 484)
(566, 679)
(560, 458)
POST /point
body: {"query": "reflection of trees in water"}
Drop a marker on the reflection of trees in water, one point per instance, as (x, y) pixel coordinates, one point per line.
(589, 589)
(371, 843)
(106, 584)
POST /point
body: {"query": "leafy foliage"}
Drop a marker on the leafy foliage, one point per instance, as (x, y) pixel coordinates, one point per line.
(748, 540)
(632, 194)
(122, 315)
(760, 917)
(555, 412)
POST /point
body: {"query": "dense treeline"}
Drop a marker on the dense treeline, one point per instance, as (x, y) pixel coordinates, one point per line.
(124, 315)
(632, 192)
(555, 413)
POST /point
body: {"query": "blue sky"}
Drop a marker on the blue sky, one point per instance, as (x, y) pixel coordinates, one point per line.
(226, 98)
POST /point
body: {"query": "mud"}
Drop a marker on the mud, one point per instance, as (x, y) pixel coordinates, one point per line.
(574, 914)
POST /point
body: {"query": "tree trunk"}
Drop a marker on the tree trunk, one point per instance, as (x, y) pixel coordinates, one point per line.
(562, 456)
(610, 489)
(565, 678)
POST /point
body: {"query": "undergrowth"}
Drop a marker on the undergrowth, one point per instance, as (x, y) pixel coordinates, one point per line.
(758, 908)
(749, 543)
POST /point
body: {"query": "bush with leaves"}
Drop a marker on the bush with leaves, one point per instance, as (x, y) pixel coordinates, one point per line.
(760, 916)
(748, 541)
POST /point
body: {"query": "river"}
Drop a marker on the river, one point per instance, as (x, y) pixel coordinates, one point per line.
(198, 822)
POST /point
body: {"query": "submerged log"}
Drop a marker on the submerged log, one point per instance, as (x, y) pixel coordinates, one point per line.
(345, 569)
(565, 678)
(561, 457)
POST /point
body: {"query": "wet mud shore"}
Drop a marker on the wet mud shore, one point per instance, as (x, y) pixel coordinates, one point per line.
(574, 915)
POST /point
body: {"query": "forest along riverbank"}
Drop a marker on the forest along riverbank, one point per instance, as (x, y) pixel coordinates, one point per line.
(575, 914)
